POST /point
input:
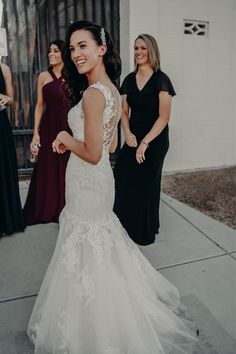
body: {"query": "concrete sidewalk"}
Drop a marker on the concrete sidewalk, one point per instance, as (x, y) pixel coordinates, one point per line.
(193, 251)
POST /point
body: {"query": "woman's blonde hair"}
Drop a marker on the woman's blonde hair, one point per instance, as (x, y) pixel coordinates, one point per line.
(153, 51)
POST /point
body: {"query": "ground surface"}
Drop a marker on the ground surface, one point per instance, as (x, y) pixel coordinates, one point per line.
(212, 192)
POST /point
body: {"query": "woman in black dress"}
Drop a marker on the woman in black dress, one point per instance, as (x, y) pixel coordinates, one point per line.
(11, 217)
(146, 109)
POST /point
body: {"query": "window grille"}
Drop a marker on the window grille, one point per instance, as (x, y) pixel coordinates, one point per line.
(196, 28)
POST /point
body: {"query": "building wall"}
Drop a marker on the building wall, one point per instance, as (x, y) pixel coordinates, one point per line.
(234, 91)
(203, 71)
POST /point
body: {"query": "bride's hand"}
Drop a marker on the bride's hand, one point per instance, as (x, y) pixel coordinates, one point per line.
(58, 147)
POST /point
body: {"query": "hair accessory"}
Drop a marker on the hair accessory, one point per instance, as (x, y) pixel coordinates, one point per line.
(103, 36)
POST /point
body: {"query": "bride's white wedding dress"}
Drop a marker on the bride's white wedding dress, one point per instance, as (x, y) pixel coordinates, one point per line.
(100, 295)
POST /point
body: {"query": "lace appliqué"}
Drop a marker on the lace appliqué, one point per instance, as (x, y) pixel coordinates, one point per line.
(96, 235)
(84, 285)
(63, 326)
(110, 116)
(34, 329)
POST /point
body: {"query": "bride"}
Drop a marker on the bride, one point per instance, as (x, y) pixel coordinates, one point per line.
(100, 295)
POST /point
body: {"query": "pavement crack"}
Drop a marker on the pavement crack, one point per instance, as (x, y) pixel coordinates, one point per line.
(189, 262)
(19, 297)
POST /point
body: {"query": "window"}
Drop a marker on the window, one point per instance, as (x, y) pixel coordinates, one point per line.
(197, 28)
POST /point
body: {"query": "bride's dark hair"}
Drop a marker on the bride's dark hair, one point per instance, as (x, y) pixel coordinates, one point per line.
(76, 83)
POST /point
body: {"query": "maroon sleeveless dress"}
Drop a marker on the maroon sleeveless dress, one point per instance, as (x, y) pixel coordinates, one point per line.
(46, 196)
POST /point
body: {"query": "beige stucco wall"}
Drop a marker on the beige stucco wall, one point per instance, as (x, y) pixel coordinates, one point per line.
(203, 70)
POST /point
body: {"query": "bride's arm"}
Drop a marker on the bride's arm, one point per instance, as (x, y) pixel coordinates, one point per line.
(91, 149)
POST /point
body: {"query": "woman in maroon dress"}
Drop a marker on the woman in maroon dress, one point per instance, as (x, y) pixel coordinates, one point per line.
(46, 196)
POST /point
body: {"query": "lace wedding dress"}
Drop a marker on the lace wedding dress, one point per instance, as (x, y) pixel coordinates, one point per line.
(100, 295)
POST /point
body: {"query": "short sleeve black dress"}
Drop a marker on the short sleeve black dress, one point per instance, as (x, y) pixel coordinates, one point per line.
(137, 186)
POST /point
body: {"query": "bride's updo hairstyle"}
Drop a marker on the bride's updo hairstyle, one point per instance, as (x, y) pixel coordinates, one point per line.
(76, 83)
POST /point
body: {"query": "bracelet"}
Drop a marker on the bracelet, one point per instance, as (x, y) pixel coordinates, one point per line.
(144, 142)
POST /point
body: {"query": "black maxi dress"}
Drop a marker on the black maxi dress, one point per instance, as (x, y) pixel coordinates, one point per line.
(137, 186)
(11, 216)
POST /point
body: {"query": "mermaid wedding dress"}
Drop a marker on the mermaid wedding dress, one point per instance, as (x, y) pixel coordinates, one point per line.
(100, 295)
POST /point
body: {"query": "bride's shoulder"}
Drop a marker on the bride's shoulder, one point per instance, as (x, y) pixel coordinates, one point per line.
(105, 89)
(94, 96)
